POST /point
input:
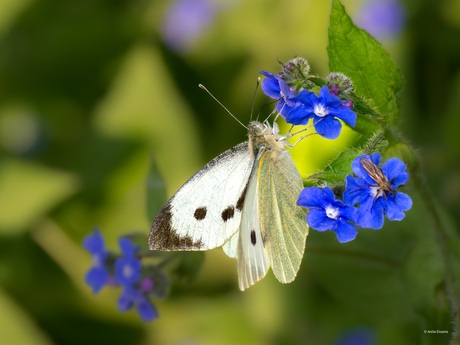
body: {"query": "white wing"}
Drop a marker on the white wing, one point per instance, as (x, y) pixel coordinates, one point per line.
(231, 246)
(283, 223)
(206, 211)
(252, 259)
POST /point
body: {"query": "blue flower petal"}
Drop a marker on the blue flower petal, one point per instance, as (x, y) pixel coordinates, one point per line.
(269, 75)
(329, 196)
(344, 114)
(125, 301)
(328, 99)
(283, 108)
(392, 210)
(359, 170)
(403, 201)
(394, 168)
(127, 247)
(300, 115)
(370, 213)
(375, 158)
(307, 97)
(312, 197)
(327, 127)
(399, 180)
(147, 311)
(318, 220)
(349, 213)
(97, 278)
(345, 231)
(288, 92)
(94, 243)
(354, 191)
(271, 88)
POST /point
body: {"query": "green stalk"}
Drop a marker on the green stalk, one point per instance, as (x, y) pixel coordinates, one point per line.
(441, 236)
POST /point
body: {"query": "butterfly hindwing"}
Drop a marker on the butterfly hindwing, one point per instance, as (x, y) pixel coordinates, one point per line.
(252, 259)
(283, 224)
(206, 211)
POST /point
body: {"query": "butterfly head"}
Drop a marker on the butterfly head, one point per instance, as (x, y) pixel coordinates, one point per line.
(264, 135)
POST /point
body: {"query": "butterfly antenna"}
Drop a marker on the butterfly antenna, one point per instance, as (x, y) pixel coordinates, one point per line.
(228, 111)
(254, 98)
(258, 114)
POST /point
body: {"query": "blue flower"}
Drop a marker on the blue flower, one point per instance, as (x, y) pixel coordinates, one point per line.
(185, 21)
(324, 110)
(128, 267)
(276, 88)
(358, 336)
(374, 201)
(382, 18)
(97, 276)
(133, 297)
(328, 213)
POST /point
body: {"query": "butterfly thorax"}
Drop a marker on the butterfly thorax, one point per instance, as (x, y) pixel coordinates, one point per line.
(266, 137)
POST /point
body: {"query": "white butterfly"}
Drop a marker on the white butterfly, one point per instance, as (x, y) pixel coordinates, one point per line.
(245, 201)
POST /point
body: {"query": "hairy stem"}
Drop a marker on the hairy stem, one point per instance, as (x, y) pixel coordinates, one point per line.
(441, 236)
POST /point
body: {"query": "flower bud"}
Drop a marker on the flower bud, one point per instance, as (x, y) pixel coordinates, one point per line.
(339, 84)
(295, 70)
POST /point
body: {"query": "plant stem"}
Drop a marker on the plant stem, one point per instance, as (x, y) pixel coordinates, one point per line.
(441, 236)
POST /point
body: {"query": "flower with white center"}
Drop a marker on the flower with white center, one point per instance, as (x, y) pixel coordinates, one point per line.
(374, 201)
(328, 213)
(325, 110)
(128, 267)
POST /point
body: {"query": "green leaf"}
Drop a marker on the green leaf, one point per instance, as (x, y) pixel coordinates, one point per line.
(423, 270)
(156, 190)
(355, 53)
(367, 119)
(28, 191)
(337, 170)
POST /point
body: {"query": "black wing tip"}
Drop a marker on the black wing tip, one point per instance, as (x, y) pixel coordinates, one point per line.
(164, 237)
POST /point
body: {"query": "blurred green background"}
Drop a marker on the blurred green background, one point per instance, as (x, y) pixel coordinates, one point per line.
(90, 89)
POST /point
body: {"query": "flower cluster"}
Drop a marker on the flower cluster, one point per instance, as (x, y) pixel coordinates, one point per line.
(373, 190)
(298, 108)
(125, 271)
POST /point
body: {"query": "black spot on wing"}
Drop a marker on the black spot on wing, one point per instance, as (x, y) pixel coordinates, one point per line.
(164, 237)
(253, 237)
(240, 202)
(228, 213)
(200, 213)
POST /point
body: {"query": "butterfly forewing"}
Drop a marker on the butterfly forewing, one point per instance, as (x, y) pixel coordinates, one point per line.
(284, 229)
(206, 211)
(252, 258)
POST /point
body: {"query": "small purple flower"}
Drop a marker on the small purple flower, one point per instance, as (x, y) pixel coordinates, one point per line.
(97, 276)
(147, 284)
(382, 18)
(334, 90)
(132, 297)
(374, 201)
(324, 110)
(185, 21)
(128, 267)
(328, 213)
(276, 88)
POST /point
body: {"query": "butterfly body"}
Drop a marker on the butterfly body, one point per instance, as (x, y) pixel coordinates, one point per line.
(245, 201)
